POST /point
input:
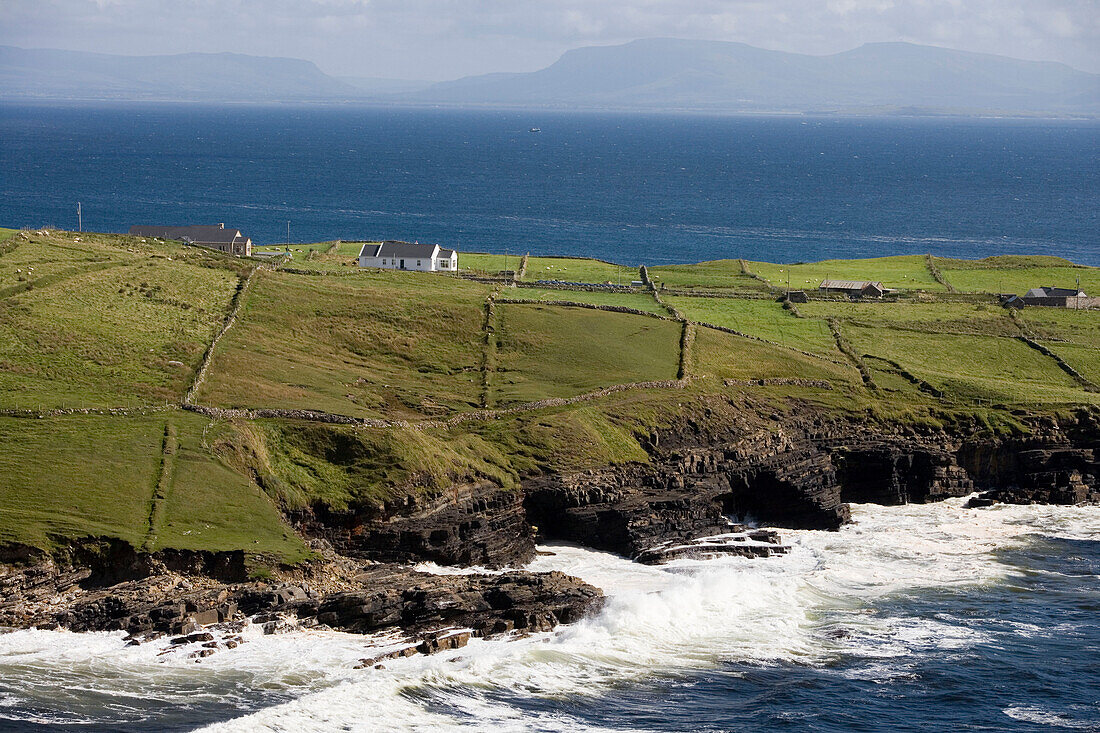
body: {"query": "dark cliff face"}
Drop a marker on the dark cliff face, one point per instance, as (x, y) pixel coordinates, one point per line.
(474, 524)
(796, 470)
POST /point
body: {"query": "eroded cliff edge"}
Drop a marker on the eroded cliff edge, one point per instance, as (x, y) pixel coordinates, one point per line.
(707, 469)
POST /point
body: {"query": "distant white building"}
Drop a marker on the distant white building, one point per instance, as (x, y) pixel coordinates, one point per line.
(391, 255)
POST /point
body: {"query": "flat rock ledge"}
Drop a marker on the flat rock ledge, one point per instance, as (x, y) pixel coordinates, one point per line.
(740, 543)
(378, 598)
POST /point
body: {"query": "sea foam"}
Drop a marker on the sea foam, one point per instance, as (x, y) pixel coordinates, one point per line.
(812, 607)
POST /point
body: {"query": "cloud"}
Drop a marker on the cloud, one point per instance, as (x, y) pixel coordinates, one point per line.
(450, 38)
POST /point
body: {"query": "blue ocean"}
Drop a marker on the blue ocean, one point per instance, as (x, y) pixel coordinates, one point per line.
(912, 618)
(628, 188)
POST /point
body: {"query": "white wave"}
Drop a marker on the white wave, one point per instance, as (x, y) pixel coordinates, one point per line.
(810, 607)
(1036, 714)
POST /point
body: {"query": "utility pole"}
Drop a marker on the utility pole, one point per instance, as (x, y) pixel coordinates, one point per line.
(288, 236)
(79, 218)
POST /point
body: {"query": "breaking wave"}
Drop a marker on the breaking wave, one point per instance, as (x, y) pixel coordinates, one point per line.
(879, 603)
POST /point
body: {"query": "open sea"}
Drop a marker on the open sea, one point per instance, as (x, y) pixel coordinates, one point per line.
(913, 618)
(634, 189)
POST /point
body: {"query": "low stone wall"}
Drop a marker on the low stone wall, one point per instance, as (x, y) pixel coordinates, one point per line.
(236, 413)
(847, 350)
(672, 310)
(583, 287)
(1081, 379)
(937, 275)
(779, 382)
(590, 306)
(114, 411)
(908, 376)
(234, 308)
(687, 339)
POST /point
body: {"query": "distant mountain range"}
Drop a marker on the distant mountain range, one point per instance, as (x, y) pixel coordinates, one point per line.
(651, 74)
(229, 77)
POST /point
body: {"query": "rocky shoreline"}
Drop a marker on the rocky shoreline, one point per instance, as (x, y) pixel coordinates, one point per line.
(797, 470)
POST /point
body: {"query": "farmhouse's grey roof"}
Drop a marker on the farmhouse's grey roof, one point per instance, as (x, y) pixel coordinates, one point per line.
(446, 253)
(203, 234)
(849, 284)
(1051, 292)
(407, 250)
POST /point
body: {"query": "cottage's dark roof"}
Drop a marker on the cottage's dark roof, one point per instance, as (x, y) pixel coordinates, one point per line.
(202, 234)
(408, 250)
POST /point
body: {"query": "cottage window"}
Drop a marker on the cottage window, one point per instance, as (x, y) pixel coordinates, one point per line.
(418, 263)
(444, 264)
(383, 262)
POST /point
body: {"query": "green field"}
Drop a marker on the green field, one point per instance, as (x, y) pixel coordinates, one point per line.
(1015, 274)
(319, 256)
(964, 367)
(91, 320)
(718, 274)
(127, 334)
(383, 343)
(103, 474)
(726, 356)
(637, 301)
(569, 269)
(487, 264)
(1085, 359)
(1063, 324)
(764, 319)
(907, 272)
(545, 351)
(980, 318)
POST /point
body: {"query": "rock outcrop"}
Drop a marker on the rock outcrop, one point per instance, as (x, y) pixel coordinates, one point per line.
(376, 598)
(475, 524)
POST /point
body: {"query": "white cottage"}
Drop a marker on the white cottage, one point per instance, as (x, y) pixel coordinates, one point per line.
(392, 255)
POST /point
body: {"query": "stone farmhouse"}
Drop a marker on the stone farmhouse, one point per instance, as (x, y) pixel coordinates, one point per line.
(1059, 298)
(852, 288)
(392, 255)
(214, 236)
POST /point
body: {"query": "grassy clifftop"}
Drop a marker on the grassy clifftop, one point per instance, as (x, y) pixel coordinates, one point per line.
(340, 387)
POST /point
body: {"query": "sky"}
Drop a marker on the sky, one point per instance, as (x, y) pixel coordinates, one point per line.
(447, 39)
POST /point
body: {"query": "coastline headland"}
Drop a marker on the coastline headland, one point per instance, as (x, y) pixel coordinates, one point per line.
(195, 442)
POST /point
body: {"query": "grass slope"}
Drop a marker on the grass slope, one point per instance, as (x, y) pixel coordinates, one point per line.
(1017, 274)
(726, 356)
(573, 269)
(906, 272)
(765, 319)
(543, 351)
(379, 343)
(105, 326)
(966, 367)
(637, 301)
(103, 473)
(99, 317)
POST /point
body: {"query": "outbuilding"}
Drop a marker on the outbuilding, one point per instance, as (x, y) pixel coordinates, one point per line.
(212, 236)
(852, 288)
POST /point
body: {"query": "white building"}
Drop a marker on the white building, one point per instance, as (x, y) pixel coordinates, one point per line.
(392, 255)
